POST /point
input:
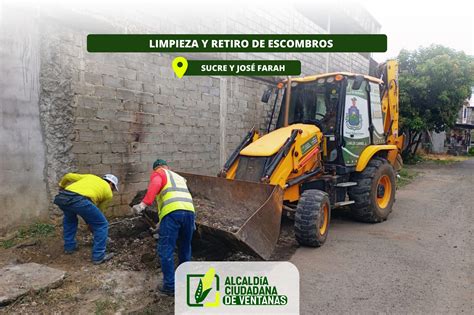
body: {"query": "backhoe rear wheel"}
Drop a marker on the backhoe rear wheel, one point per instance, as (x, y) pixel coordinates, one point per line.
(312, 217)
(374, 194)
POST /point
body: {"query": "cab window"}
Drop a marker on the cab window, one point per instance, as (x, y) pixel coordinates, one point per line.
(313, 103)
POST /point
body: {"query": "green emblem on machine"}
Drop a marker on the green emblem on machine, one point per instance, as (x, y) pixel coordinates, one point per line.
(353, 117)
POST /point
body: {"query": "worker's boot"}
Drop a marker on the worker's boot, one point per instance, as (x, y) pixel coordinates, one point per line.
(162, 290)
(106, 258)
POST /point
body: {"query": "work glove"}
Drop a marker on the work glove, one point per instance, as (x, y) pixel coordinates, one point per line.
(138, 208)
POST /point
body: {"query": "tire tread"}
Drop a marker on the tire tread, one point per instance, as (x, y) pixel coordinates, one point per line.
(307, 214)
(362, 210)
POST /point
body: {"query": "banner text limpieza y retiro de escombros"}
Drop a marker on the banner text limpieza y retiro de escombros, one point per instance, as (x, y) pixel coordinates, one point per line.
(240, 43)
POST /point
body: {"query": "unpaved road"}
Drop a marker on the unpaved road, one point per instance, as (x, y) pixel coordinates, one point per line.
(419, 261)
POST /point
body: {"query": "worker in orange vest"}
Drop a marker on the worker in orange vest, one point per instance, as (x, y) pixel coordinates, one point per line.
(176, 214)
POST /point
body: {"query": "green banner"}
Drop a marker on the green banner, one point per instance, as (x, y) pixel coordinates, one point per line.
(195, 43)
(243, 67)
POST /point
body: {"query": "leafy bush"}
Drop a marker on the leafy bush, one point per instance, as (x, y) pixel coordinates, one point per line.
(412, 159)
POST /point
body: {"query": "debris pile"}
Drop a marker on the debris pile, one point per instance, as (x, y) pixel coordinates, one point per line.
(208, 213)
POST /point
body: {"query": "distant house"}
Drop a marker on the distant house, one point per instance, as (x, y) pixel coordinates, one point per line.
(459, 139)
(466, 114)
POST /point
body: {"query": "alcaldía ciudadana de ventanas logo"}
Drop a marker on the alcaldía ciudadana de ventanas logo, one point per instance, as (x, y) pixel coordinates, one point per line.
(205, 290)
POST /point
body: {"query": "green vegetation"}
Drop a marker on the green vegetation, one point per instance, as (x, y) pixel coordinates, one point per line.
(406, 176)
(413, 159)
(7, 244)
(148, 311)
(471, 151)
(443, 162)
(442, 159)
(35, 231)
(434, 81)
(105, 306)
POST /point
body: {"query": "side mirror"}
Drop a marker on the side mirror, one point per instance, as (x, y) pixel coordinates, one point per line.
(266, 95)
(357, 82)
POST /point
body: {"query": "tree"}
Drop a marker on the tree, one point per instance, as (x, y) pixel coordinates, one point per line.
(434, 82)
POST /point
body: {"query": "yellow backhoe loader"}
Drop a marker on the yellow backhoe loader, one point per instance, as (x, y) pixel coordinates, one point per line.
(335, 143)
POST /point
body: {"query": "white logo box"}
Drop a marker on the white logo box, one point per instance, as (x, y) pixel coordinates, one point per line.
(237, 288)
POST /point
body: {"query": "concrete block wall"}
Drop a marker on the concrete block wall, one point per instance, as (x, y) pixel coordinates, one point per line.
(117, 113)
(351, 62)
(129, 116)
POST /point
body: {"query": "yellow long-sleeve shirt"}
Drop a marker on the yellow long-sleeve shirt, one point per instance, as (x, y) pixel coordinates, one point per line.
(90, 186)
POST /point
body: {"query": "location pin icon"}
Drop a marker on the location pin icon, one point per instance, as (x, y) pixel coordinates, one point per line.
(180, 65)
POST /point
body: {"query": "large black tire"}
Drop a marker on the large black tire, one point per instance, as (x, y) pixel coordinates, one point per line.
(374, 194)
(312, 217)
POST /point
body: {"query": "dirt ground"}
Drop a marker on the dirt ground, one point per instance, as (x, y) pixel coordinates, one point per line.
(420, 261)
(126, 283)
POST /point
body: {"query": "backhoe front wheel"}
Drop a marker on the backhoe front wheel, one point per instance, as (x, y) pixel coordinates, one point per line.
(312, 217)
(374, 194)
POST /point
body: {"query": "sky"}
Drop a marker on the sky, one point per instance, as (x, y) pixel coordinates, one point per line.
(410, 24)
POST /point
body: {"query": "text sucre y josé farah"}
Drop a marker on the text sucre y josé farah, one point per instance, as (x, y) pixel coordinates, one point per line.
(237, 43)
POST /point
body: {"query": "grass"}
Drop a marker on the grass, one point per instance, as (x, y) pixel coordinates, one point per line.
(406, 176)
(105, 306)
(443, 159)
(7, 244)
(35, 231)
(148, 310)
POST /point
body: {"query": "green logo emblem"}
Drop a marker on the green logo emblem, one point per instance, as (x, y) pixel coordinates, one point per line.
(205, 286)
(353, 116)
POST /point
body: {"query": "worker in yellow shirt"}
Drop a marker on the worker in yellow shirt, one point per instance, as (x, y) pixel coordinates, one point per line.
(86, 195)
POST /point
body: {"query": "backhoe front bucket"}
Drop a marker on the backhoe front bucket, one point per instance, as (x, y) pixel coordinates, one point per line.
(245, 215)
